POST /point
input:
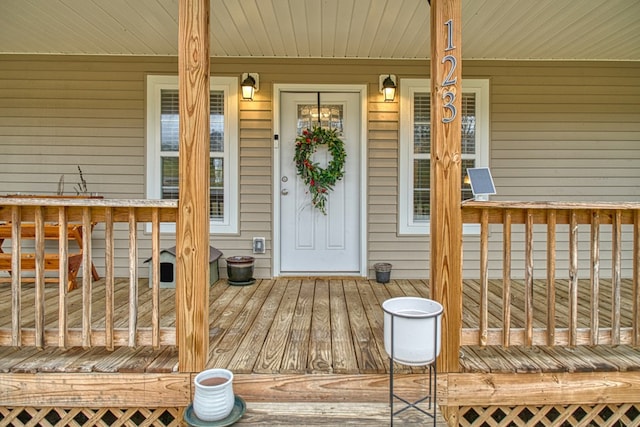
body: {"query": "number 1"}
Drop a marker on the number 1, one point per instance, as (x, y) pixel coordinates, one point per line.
(449, 25)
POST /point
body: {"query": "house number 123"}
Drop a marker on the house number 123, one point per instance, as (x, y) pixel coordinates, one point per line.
(449, 97)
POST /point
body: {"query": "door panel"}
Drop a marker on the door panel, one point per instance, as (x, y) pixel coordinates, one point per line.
(311, 241)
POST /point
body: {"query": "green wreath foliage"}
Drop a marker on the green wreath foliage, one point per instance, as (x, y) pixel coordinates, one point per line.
(320, 181)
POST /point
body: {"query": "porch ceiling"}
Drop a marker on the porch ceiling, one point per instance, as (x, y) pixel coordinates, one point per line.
(394, 29)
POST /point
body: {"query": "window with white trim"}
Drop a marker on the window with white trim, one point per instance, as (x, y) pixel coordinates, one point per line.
(415, 147)
(163, 143)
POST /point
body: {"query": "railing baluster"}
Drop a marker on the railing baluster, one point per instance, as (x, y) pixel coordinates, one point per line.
(133, 277)
(636, 279)
(528, 279)
(615, 285)
(39, 254)
(551, 277)
(595, 277)
(63, 263)
(155, 259)
(86, 277)
(573, 279)
(484, 276)
(506, 279)
(109, 278)
(16, 277)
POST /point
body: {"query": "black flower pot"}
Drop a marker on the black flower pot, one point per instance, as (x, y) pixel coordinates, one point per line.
(240, 270)
(383, 272)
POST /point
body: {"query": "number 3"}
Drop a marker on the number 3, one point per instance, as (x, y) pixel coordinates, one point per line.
(449, 98)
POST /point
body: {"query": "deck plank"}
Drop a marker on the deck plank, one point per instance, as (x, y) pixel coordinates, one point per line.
(30, 365)
(294, 359)
(493, 359)
(320, 356)
(166, 362)
(374, 313)
(363, 339)
(272, 352)
(572, 358)
(10, 356)
(138, 362)
(331, 414)
(344, 356)
(228, 345)
(247, 353)
(112, 361)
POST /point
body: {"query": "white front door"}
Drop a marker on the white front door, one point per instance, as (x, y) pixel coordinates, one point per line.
(311, 242)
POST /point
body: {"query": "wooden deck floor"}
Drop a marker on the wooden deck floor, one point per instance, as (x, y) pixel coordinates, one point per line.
(293, 326)
(303, 350)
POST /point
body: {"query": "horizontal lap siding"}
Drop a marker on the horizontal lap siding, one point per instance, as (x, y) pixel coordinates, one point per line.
(559, 131)
(58, 113)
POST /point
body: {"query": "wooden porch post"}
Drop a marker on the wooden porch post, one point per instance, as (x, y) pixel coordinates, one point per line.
(192, 230)
(446, 217)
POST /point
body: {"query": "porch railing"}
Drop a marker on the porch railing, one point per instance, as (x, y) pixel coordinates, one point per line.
(29, 327)
(582, 230)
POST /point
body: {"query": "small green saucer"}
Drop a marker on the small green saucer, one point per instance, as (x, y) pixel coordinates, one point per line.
(239, 408)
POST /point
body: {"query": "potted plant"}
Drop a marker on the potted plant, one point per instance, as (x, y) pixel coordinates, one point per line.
(240, 270)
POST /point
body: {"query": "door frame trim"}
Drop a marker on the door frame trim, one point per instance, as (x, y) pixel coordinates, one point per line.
(360, 89)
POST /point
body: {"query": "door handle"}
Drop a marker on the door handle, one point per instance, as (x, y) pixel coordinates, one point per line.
(284, 192)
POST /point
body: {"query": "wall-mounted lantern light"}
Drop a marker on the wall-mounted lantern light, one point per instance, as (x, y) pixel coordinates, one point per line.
(388, 87)
(250, 84)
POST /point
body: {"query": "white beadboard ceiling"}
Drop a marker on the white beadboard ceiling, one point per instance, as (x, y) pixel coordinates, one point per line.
(394, 29)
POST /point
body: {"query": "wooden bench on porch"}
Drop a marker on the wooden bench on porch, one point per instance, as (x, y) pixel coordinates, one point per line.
(51, 260)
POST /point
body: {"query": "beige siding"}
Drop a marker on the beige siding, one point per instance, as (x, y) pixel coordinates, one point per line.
(559, 131)
(562, 131)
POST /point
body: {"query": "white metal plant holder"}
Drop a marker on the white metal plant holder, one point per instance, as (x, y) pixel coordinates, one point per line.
(412, 337)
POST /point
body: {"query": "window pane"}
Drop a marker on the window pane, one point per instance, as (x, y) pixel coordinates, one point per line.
(169, 178)
(330, 117)
(216, 201)
(466, 186)
(468, 123)
(170, 184)
(169, 120)
(169, 135)
(216, 121)
(421, 189)
(421, 123)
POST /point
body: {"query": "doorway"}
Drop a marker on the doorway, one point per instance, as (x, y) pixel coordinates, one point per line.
(309, 242)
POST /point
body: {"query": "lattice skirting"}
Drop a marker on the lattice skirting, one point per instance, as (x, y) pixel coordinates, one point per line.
(626, 415)
(49, 417)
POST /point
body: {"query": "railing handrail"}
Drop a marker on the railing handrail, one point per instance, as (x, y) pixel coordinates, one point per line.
(86, 201)
(472, 211)
(505, 204)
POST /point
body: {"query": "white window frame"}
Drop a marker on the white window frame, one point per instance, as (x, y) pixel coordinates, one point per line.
(408, 87)
(229, 85)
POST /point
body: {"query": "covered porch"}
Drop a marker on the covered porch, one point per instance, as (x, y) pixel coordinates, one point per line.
(522, 345)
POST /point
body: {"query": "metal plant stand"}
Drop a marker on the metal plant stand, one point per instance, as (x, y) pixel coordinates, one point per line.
(427, 403)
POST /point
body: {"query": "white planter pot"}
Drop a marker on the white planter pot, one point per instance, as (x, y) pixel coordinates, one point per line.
(213, 399)
(416, 329)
